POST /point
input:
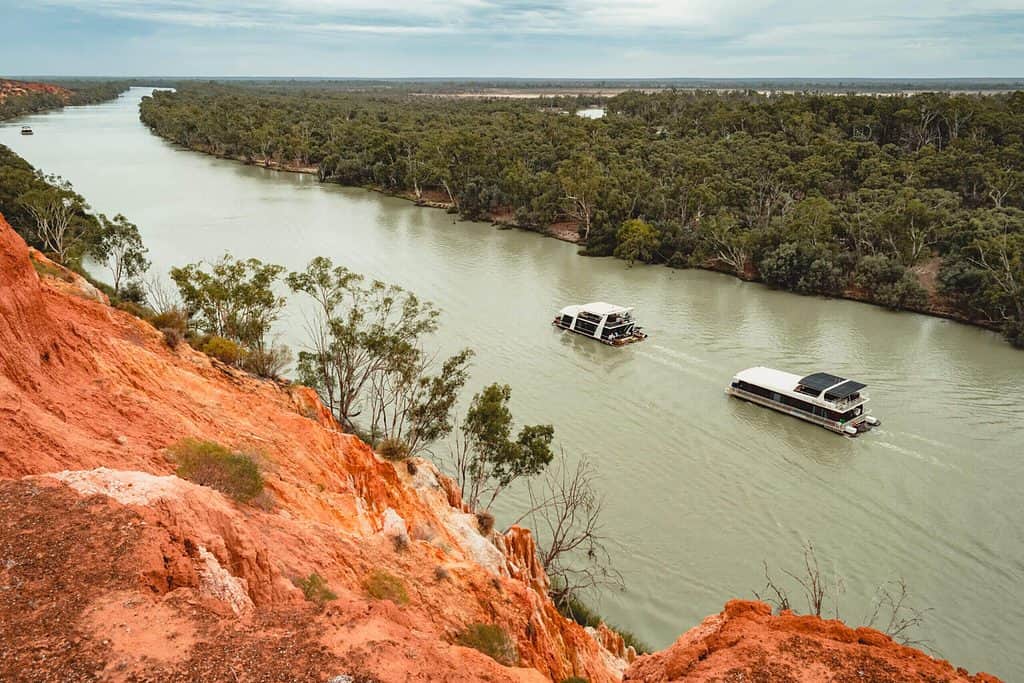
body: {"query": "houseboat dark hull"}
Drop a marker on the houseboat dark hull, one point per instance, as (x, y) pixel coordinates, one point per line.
(858, 424)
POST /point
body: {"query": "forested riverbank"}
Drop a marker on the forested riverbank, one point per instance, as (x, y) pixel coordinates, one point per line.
(19, 98)
(911, 202)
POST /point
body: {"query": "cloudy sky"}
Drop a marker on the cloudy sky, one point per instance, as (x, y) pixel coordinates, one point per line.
(526, 38)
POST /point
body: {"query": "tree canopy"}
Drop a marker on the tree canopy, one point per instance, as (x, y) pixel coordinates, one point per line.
(792, 189)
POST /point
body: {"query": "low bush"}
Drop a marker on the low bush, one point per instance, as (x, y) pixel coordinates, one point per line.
(631, 640)
(224, 350)
(172, 336)
(381, 585)
(575, 609)
(315, 588)
(393, 449)
(270, 362)
(575, 679)
(209, 464)
(485, 522)
(172, 318)
(491, 640)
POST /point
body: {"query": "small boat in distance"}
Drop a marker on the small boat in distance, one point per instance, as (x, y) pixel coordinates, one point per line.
(26, 130)
(835, 403)
(607, 323)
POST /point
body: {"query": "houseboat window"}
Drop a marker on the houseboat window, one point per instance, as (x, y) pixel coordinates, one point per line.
(584, 326)
(621, 330)
(567, 320)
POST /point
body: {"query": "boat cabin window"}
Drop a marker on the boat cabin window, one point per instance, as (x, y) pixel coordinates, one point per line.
(794, 402)
(584, 326)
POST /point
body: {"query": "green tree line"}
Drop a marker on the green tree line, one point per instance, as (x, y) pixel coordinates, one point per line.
(80, 92)
(906, 201)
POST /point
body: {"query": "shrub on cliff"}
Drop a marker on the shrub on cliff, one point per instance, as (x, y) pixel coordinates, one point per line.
(573, 608)
(209, 464)
(315, 588)
(488, 458)
(367, 357)
(235, 300)
(224, 350)
(381, 585)
(393, 449)
(492, 640)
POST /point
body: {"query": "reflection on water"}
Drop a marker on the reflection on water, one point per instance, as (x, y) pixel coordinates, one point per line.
(699, 488)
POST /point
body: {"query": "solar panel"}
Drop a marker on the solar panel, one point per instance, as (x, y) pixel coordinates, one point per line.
(820, 381)
(845, 389)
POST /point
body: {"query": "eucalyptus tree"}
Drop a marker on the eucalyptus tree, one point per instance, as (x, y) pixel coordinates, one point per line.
(118, 245)
(366, 357)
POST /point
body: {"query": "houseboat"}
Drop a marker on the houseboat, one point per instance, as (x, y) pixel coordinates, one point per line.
(835, 403)
(26, 130)
(607, 323)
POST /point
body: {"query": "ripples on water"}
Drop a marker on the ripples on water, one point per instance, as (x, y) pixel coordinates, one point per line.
(699, 488)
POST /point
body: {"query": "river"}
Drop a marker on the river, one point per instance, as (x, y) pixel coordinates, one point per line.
(699, 488)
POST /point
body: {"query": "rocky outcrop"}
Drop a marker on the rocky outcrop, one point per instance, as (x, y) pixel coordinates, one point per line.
(113, 568)
(747, 643)
(9, 88)
(90, 399)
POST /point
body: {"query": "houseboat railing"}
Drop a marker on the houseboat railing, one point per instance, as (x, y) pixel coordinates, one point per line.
(796, 412)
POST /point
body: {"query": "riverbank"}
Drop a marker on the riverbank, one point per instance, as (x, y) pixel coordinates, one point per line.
(714, 473)
(926, 273)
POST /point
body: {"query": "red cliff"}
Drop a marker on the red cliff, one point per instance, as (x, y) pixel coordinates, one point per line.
(112, 568)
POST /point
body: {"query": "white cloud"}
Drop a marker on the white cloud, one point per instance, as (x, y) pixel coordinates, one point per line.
(524, 17)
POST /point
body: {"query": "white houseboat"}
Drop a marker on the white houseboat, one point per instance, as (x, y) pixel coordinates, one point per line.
(835, 403)
(26, 130)
(607, 323)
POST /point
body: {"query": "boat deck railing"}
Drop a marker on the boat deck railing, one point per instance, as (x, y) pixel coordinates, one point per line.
(832, 425)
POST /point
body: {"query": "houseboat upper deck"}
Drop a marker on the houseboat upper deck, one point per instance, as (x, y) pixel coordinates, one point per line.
(835, 403)
(607, 323)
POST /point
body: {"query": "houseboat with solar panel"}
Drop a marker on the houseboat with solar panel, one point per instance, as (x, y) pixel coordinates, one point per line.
(835, 403)
(607, 323)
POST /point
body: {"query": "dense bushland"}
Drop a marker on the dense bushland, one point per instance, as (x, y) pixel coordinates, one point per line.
(906, 201)
(79, 92)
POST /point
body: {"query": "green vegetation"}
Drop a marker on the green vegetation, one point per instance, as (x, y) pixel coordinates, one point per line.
(794, 189)
(381, 585)
(575, 609)
(492, 640)
(210, 464)
(80, 92)
(118, 245)
(366, 357)
(316, 590)
(393, 449)
(487, 458)
(233, 302)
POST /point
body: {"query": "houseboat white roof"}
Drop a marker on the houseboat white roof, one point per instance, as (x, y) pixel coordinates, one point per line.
(769, 378)
(597, 308)
(820, 385)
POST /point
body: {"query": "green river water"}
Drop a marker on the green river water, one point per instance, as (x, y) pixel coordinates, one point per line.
(699, 488)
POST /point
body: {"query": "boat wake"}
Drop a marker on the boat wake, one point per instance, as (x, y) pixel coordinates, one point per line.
(930, 459)
(681, 367)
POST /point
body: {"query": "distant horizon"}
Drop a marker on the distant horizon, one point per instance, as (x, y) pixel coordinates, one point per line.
(591, 39)
(542, 79)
